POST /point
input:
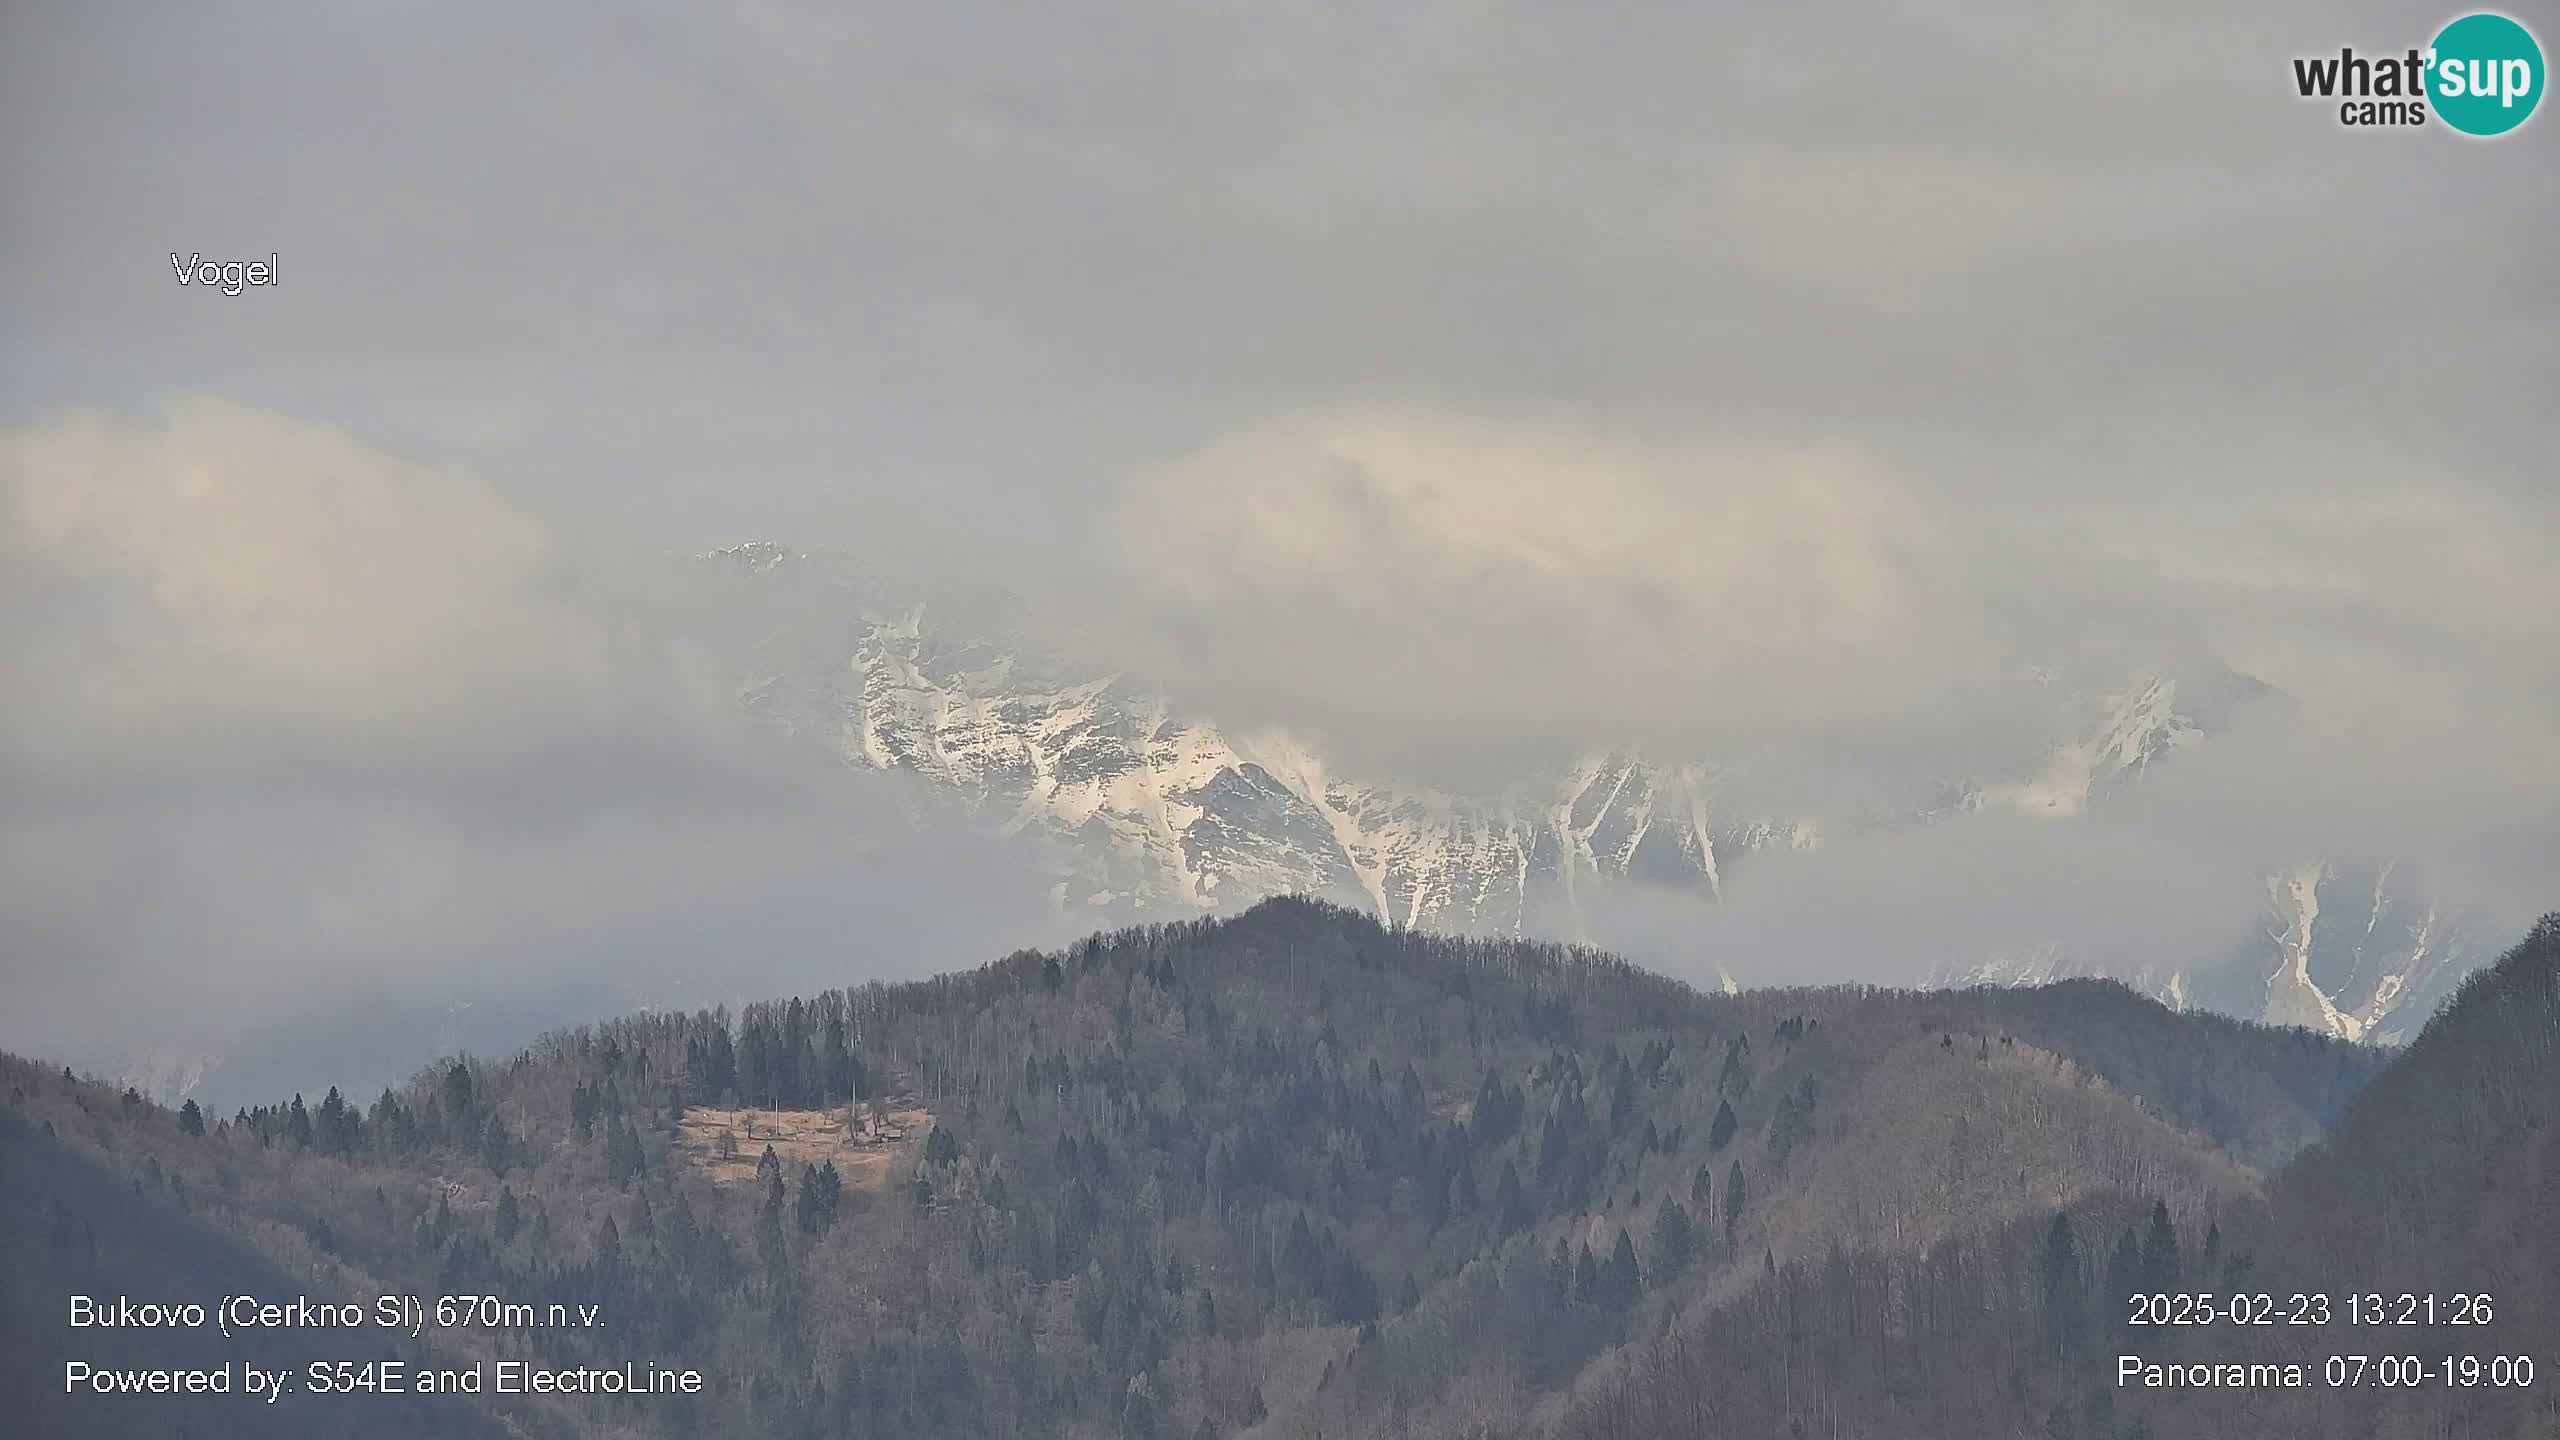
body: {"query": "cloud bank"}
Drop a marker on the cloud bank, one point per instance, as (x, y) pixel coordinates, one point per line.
(1844, 639)
(1458, 383)
(303, 727)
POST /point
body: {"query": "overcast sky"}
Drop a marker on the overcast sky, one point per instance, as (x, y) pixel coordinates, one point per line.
(1459, 383)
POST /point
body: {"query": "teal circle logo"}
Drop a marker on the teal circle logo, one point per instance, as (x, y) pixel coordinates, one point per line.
(2484, 74)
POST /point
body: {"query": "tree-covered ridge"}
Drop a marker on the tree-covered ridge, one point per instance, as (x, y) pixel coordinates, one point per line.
(2442, 1179)
(1283, 1172)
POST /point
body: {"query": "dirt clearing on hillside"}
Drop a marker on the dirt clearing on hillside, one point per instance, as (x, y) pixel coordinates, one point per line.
(870, 1152)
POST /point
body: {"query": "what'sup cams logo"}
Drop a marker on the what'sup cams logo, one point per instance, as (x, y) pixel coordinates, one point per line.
(2481, 75)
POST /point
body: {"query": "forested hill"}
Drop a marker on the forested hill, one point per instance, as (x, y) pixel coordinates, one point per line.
(1285, 1174)
(2424, 1231)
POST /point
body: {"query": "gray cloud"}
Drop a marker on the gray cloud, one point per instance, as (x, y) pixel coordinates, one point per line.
(1457, 598)
(778, 265)
(305, 727)
(1457, 382)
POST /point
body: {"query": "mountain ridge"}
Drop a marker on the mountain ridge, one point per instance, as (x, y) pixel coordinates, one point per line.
(1273, 1174)
(1150, 810)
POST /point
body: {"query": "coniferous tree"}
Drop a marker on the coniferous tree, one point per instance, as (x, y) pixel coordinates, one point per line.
(941, 1149)
(1555, 1141)
(336, 1126)
(821, 1187)
(1736, 1075)
(843, 1072)
(623, 1157)
(325, 1120)
(2160, 1251)
(1497, 1112)
(697, 1067)
(830, 1192)
(769, 1222)
(684, 1236)
(808, 1065)
(497, 1147)
(190, 1119)
(2124, 1271)
(1624, 1280)
(393, 1127)
(1674, 1242)
(297, 1125)
(1720, 1131)
(755, 1057)
(804, 1209)
(457, 1090)
(2059, 1272)
(1511, 1202)
(1733, 1198)
(1298, 1258)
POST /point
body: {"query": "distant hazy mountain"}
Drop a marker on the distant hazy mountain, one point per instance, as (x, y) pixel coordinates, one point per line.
(1158, 810)
(1150, 810)
(2359, 953)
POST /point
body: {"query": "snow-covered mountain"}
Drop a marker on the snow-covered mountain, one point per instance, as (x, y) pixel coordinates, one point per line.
(2365, 954)
(2119, 737)
(1151, 810)
(1146, 810)
(2362, 954)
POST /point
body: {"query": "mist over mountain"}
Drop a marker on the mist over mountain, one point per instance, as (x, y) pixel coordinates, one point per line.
(404, 767)
(1148, 809)
(1470, 396)
(1457, 720)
